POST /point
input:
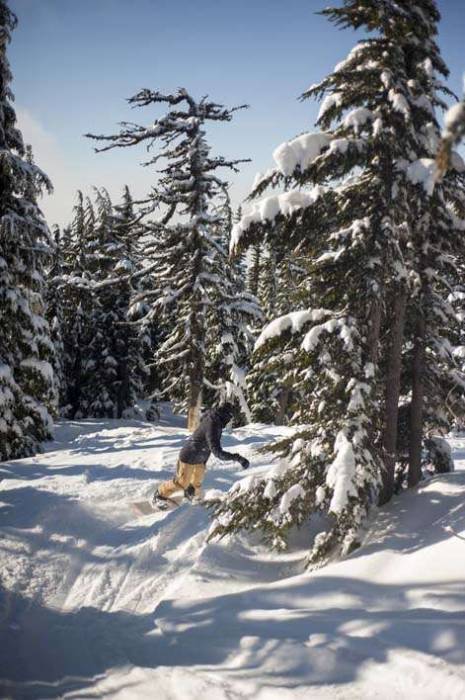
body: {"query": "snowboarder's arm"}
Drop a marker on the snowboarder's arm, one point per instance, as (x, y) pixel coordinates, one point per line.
(213, 437)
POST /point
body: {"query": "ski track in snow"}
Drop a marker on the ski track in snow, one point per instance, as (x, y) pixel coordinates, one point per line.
(96, 602)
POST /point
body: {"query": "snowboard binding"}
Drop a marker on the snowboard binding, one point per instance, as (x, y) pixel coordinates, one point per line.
(189, 493)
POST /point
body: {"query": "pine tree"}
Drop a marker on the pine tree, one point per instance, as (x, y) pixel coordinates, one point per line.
(104, 354)
(77, 309)
(184, 253)
(134, 342)
(101, 248)
(356, 228)
(269, 387)
(229, 321)
(27, 388)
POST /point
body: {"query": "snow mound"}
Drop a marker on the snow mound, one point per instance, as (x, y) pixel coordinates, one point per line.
(125, 605)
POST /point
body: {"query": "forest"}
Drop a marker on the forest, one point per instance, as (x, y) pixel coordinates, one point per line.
(311, 333)
(330, 301)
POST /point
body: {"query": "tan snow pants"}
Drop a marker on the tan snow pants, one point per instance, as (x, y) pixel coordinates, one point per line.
(186, 474)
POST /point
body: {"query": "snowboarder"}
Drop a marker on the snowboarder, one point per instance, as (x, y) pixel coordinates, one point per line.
(194, 454)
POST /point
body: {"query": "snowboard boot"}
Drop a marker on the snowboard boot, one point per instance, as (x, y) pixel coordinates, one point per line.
(189, 493)
(159, 501)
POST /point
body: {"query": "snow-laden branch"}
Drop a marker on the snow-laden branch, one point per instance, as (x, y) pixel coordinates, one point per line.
(292, 322)
(267, 209)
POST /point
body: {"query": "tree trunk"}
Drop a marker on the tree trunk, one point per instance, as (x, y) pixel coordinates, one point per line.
(123, 389)
(254, 269)
(416, 412)
(283, 402)
(374, 328)
(392, 391)
(196, 374)
(194, 408)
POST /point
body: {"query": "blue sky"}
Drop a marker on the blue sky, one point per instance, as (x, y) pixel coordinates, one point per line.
(74, 63)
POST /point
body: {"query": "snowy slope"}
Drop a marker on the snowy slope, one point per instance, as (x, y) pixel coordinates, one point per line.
(95, 602)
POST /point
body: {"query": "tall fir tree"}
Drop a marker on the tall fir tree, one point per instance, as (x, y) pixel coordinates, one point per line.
(134, 343)
(183, 252)
(27, 385)
(229, 322)
(358, 228)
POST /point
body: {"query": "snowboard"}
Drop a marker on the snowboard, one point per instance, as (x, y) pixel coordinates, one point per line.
(148, 507)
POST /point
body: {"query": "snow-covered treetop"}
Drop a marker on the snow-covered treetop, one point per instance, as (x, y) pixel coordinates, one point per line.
(377, 105)
(187, 180)
(23, 174)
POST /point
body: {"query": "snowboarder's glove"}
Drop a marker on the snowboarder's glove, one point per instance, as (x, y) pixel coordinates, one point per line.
(245, 464)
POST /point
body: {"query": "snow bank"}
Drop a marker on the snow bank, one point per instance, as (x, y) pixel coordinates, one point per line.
(128, 605)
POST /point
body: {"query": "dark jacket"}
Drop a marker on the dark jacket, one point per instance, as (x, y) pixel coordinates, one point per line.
(207, 439)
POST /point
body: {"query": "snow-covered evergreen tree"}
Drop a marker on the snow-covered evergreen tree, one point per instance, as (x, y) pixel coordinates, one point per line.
(104, 354)
(192, 294)
(27, 386)
(351, 208)
(134, 342)
(229, 322)
(270, 396)
(77, 309)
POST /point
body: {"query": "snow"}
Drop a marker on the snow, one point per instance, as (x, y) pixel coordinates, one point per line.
(340, 145)
(312, 338)
(291, 495)
(399, 103)
(259, 177)
(453, 114)
(341, 474)
(428, 67)
(300, 152)
(41, 367)
(343, 65)
(97, 603)
(386, 78)
(424, 103)
(268, 208)
(332, 100)
(457, 162)
(5, 372)
(356, 118)
(293, 321)
(423, 172)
